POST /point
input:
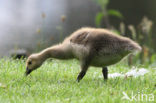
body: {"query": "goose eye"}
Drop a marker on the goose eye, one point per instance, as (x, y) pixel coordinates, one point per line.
(29, 63)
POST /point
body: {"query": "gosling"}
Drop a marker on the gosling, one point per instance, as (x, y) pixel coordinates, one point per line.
(91, 46)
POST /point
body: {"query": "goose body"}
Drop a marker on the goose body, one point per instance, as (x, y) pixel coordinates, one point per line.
(91, 46)
(101, 46)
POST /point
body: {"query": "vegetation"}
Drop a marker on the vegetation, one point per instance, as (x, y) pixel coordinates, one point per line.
(143, 35)
(103, 15)
(55, 82)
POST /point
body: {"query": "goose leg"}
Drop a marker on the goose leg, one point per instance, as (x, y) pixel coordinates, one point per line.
(84, 68)
(81, 75)
(105, 73)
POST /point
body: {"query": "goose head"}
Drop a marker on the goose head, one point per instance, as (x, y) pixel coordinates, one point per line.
(32, 63)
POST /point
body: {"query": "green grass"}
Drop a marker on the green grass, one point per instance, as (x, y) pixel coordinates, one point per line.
(55, 82)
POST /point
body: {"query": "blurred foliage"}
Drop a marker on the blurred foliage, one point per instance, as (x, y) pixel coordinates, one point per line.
(98, 19)
(103, 14)
(115, 13)
(153, 58)
(142, 33)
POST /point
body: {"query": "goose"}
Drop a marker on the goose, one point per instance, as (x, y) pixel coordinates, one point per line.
(91, 46)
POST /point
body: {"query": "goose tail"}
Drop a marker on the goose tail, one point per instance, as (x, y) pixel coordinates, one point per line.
(135, 47)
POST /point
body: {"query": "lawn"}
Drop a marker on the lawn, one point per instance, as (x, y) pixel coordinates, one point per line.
(55, 82)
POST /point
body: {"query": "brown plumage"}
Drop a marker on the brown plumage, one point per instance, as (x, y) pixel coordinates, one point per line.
(91, 46)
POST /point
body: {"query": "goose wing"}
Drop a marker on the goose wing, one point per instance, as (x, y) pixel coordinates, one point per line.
(80, 38)
(98, 40)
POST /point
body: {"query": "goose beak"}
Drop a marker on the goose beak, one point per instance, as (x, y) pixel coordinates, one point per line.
(28, 71)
